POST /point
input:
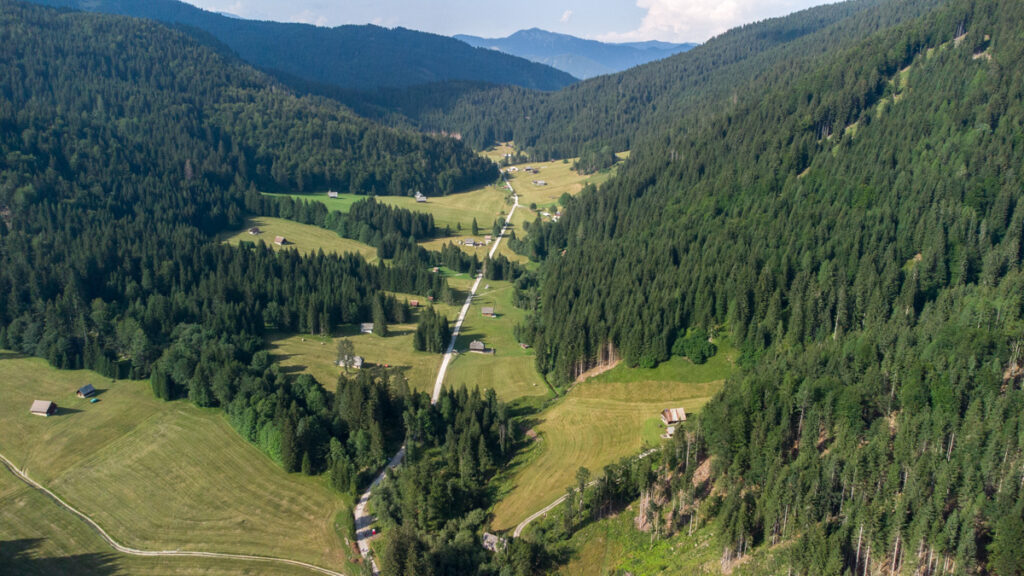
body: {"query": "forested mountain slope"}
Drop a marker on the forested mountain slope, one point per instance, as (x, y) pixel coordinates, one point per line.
(125, 148)
(349, 57)
(578, 56)
(858, 229)
(621, 110)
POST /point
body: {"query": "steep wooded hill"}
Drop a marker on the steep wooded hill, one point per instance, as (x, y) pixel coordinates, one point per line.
(349, 57)
(125, 149)
(127, 146)
(857, 228)
(621, 110)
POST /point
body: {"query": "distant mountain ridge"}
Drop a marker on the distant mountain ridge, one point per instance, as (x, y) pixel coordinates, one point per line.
(349, 57)
(580, 57)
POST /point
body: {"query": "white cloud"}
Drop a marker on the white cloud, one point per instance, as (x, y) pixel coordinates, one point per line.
(698, 20)
(309, 17)
(566, 16)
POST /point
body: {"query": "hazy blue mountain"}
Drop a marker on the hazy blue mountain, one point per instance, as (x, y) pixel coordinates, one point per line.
(350, 57)
(577, 56)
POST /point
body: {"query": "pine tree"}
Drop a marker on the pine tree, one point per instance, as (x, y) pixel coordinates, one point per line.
(380, 324)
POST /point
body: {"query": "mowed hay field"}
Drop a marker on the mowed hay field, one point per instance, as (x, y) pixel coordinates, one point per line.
(560, 178)
(305, 238)
(598, 422)
(39, 537)
(485, 204)
(510, 370)
(159, 475)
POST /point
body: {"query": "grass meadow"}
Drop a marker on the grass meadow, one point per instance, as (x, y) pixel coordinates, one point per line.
(598, 422)
(156, 475)
(614, 546)
(305, 238)
(510, 370)
(39, 537)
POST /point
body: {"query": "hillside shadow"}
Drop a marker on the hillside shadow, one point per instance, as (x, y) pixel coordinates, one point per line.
(12, 356)
(280, 356)
(20, 557)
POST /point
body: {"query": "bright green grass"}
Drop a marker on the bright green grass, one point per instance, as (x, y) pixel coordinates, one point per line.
(480, 251)
(718, 367)
(510, 370)
(615, 546)
(598, 422)
(39, 537)
(340, 204)
(485, 204)
(317, 355)
(497, 152)
(161, 475)
(560, 178)
(305, 238)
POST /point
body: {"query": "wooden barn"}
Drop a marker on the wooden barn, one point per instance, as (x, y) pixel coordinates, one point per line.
(44, 408)
(366, 328)
(479, 347)
(671, 416)
(86, 391)
(487, 311)
(280, 240)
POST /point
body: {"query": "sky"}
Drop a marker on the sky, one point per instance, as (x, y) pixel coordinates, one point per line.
(606, 20)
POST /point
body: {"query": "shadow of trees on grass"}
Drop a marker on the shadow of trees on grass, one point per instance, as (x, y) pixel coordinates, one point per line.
(20, 557)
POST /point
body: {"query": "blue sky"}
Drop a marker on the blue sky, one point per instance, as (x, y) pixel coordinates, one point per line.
(609, 20)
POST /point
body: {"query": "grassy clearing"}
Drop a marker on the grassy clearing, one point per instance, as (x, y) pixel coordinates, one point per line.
(510, 370)
(340, 204)
(480, 251)
(560, 178)
(160, 475)
(599, 421)
(497, 152)
(718, 367)
(317, 355)
(485, 204)
(305, 238)
(38, 537)
(615, 546)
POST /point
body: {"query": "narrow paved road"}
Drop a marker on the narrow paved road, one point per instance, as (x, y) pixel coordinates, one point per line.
(364, 520)
(137, 552)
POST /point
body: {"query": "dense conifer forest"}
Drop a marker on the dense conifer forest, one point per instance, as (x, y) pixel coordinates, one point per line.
(125, 149)
(839, 192)
(351, 58)
(436, 502)
(622, 110)
(857, 227)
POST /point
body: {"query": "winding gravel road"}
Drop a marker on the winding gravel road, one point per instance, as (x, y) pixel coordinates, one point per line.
(21, 475)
